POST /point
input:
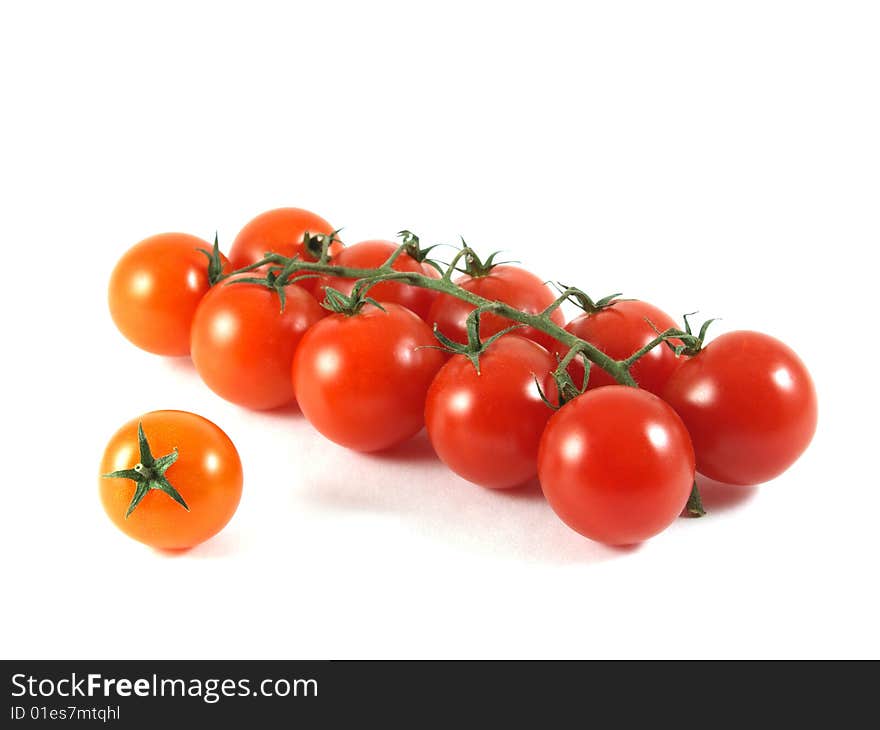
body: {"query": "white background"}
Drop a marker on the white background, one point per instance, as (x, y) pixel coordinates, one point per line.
(715, 156)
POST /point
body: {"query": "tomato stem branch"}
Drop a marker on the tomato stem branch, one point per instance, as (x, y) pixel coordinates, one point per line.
(366, 278)
(672, 332)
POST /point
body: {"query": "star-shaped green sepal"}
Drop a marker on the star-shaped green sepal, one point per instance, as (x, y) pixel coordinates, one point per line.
(148, 474)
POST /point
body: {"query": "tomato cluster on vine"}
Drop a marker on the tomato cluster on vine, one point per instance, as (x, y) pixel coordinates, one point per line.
(614, 411)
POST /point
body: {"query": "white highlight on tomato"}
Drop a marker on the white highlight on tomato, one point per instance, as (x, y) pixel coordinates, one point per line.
(212, 462)
(657, 435)
(782, 378)
(460, 402)
(142, 284)
(572, 448)
(328, 362)
(704, 393)
(225, 326)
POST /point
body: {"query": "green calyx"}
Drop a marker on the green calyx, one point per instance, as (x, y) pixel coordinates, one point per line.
(318, 244)
(474, 347)
(409, 241)
(349, 305)
(276, 279)
(694, 506)
(566, 388)
(565, 385)
(148, 474)
(474, 266)
(215, 262)
(583, 301)
(691, 344)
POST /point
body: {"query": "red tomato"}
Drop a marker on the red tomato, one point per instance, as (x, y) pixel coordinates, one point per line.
(616, 464)
(620, 330)
(361, 379)
(486, 426)
(281, 231)
(155, 289)
(179, 491)
(749, 404)
(509, 284)
(371, 255)
(243, 343)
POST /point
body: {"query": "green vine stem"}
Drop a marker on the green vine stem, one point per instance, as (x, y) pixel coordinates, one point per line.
(284, 270)
(366, 278)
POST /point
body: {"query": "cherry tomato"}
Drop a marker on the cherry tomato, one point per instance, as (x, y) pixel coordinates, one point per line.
(616, 464)
(281, 231)
(749, 404)
(619, 330)
(155, 289)
(509, 284)
(182, 491)
(371, 255)
(486, 425)
(361, 379)
(243, 342)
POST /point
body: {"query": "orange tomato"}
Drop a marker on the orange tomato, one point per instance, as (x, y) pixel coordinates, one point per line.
(155, 289)
(189, 479)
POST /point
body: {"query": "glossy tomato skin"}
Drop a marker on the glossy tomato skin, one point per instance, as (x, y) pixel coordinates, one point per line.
(616, 464)
(619, 330)
(486, 426)
(243, 343)
(155, 289)
(361, 380)
(371, 255)
(750, 406)
(207, 474)
(509, 284)
(281, 231)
